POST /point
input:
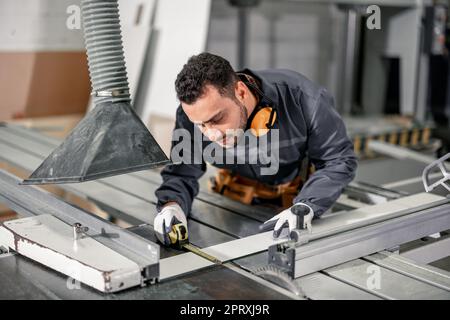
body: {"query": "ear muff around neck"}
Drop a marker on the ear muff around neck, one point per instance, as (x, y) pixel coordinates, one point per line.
(263, 118)
(262, 121)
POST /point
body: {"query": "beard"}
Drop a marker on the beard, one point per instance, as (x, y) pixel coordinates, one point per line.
(233, 137)
(243, 116)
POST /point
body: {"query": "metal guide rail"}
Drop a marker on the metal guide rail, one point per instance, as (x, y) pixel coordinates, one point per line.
(298, 258)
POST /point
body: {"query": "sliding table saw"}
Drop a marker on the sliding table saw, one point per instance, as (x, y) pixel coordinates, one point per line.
(56, 250)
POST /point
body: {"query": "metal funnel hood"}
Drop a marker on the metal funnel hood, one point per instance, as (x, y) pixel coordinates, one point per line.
(111, 140)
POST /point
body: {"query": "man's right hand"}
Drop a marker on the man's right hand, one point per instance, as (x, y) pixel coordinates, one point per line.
(170, 215)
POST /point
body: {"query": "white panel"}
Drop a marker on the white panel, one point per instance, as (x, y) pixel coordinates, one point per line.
(182, 29)
(136, 12)
(37, 25)
(135, 17)
(404, 41)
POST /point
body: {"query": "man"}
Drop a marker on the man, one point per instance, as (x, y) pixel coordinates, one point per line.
(221, 104)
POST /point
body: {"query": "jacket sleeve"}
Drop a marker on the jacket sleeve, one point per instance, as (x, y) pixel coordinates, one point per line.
(180, 179)
(331, 152)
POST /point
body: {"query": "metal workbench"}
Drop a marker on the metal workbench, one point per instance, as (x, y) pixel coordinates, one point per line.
(214, 220)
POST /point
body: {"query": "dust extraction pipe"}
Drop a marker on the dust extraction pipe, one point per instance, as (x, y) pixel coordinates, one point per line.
(111, 139)
(106, 60)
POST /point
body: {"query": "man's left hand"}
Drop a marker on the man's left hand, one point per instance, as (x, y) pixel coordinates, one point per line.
(289, 218)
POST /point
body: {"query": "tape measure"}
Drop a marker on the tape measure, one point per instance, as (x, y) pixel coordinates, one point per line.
(179, 239)
(178, 236)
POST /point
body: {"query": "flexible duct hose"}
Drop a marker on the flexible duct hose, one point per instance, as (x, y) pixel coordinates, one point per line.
(104, 48)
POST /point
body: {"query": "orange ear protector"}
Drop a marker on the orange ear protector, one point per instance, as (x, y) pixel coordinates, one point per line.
(263, 118)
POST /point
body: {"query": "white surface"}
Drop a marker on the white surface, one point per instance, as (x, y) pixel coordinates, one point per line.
(404, 41)
(134, 45)
(38, 25)
(182, 28)
(399, 152)
(231, 250)
(363, 214)
(181, 264)
(135, 35)
(49, 241)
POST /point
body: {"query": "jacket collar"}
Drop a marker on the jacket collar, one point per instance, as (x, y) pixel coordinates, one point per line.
(270, 96)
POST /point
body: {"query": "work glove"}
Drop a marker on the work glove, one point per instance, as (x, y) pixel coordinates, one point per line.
(170, 215)
(290, 219)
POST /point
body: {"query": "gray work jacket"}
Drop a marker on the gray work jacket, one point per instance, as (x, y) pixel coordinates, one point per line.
(308, 125)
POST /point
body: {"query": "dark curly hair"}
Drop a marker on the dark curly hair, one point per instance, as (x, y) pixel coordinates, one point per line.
(205, 69)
